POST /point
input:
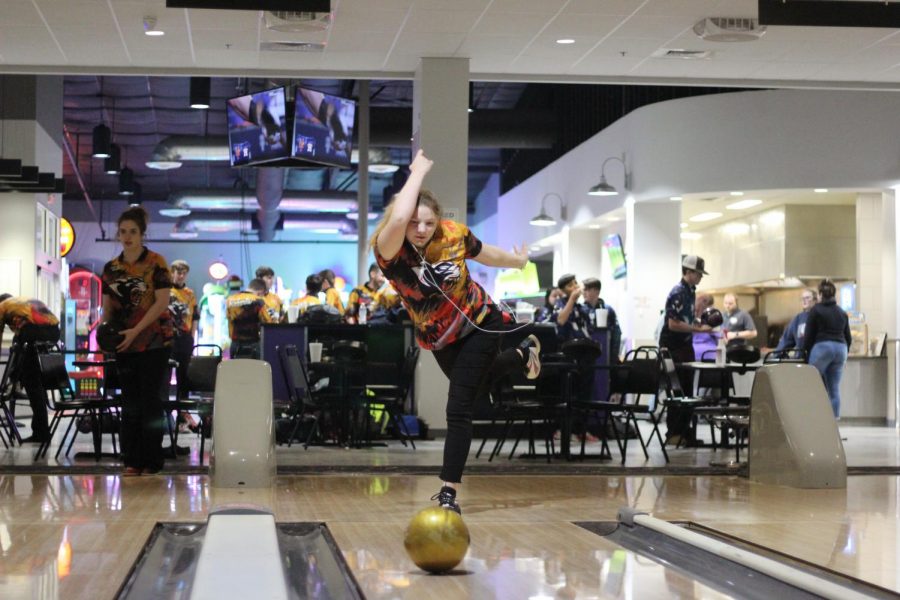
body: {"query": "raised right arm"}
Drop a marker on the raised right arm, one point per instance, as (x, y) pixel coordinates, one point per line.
(390, 240)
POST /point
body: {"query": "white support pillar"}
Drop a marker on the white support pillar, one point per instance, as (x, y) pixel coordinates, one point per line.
(441, 129)
(31, 127)
(362, 206)
(653, 254)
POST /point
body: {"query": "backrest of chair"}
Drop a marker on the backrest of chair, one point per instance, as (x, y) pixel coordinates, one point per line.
(54, 375)
(672, 381)
(742, 354)
(201, 373)
(788, 355)
(295, 379)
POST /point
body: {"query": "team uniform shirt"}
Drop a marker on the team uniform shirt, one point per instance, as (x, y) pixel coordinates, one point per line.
(361, 294)
(305, 302)
(245, 312)
(543, 314)
(578, 325)
(387, 298)
(679, 307)
(436, 289)
(333, 298)
(183, 308)
(132, 289)
(19, 312)
(273, 307)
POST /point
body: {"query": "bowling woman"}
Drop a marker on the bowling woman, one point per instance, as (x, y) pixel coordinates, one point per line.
(136, 295)
(424, 257)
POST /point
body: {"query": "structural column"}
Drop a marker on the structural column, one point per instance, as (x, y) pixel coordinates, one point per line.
(31, 128)
(653, 252)
(441, 129)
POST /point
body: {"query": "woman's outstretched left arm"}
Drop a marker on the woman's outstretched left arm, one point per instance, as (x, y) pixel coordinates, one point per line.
(492, 256)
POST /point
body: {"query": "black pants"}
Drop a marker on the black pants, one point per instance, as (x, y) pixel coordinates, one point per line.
(182, 348)
(142, 375)
(679, 418)
(31, 374)
(471, 364)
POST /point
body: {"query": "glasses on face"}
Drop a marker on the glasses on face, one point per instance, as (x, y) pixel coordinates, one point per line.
(806, 298)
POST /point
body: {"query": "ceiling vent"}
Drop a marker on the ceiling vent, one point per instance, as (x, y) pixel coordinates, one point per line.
(683, 54)
(291, 46)
(729, 29)
(297, 22)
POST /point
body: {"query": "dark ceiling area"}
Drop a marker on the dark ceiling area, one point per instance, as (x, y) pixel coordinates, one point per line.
(144, 111)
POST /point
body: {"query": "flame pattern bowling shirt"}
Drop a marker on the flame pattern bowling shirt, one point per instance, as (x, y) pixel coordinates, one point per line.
(183, 308)
(422, 285)
(19, 312)
(132, 289)
(273, 307)
(245, 312)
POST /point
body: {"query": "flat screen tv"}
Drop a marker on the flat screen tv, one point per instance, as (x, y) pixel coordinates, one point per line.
(323, 128)
(616, 254)
(257, 128)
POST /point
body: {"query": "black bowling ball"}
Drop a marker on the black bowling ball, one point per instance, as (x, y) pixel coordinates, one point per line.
(109, 336)
(712, 316)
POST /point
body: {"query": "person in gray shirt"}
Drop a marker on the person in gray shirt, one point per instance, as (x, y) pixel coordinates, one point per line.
(738, 326)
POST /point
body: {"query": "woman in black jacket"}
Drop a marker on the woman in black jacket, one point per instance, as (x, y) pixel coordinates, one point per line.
(827, 340)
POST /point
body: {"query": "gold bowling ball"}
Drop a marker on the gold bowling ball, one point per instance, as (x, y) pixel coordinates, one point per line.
(436, 539)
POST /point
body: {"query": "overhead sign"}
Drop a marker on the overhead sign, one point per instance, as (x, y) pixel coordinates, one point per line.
(66, 236)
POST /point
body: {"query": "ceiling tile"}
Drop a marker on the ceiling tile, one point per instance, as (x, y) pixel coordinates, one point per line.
(378, 21)
(441, 21)
(28, 46)
(571, 25)
(19, 13)
(233, 20)
(490, 44)
(216, 39)
(429, 44)
(659, 28)
(495, 23)
(77, 14)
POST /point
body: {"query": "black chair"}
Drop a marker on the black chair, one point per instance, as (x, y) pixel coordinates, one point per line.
(303, 408)
(201, 388)
(634, 386)
(676, 395)
(393, 398)
(66, 404)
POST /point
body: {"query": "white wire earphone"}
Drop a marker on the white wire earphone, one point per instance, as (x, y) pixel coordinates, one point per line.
(431, 280)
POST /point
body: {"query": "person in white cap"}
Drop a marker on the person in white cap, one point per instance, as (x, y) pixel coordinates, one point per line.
(679, 326)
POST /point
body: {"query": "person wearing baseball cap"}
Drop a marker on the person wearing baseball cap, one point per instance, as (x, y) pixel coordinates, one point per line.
(679, 326)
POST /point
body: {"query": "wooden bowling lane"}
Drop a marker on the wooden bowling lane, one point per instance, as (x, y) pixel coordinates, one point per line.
(77, 536)
(512, 561)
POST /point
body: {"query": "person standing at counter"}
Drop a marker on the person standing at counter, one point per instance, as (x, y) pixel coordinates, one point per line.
(246, 311)
(543, 314)
(679, 327)
(739, 326)
(795, 333)
(827, 342)
(136, 293)
(273, 302)
(593, 302)
(424, 257)
(364, 294)
(332, 296)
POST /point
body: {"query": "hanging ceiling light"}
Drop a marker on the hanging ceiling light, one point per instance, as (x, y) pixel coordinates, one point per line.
(112, 164)
(102, 141)
(150, 27)
(126, 182)
(200, 92)
(137, 196)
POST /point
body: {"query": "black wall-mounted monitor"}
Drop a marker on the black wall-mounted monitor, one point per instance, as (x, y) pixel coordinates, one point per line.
(258, 128)
(323, 128)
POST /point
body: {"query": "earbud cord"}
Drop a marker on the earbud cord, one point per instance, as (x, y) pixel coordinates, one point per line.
(432, 281)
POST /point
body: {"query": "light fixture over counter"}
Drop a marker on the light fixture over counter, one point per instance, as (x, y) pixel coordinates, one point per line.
(603, 188)
(542, 219)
